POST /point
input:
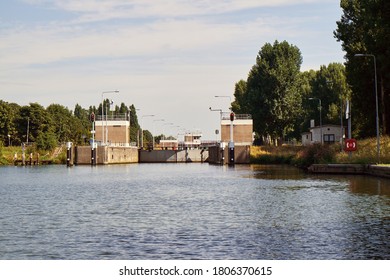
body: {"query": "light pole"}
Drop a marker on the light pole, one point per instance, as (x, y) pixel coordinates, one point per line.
(219, 110)
(231, 142)
(104, 92)
(376, 104)
(330, 83)
(226, 96)
(9, 140)
(320, 108)
(111, 103)
(142, 130)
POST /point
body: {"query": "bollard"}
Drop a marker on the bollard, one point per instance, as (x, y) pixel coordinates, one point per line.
(68, 154)
(231, 155)
(93, 157)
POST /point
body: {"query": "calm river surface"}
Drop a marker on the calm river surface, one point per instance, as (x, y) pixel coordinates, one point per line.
(191, 211)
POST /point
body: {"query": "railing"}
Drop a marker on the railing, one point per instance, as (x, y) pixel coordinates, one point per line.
(113, 117)
(226, 116)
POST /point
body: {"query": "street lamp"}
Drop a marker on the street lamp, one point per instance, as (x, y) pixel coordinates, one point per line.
(231, 142)
(227, 96)
(104, 92)
(9, 140)
(376, 104)
(320, 107)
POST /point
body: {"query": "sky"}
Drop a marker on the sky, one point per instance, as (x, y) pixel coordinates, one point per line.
(169, 58)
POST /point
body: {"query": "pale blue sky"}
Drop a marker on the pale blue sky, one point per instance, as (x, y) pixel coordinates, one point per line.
(168, 58)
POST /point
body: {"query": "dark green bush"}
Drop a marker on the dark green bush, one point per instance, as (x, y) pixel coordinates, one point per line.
(314, 154)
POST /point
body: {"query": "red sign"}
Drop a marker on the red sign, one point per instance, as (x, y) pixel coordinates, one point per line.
(350, 145)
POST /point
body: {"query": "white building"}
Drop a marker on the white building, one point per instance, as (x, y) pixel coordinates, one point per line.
(330, 134)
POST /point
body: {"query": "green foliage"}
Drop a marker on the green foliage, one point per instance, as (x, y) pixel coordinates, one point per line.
(364, 28)
(277, 94)
(148, 138)
(314, 154)
(46, 141)
(51, 126)
(271, 92)
(330, 86)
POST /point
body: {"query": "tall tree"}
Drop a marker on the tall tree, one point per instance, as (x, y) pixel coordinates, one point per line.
(8, 114)
(272, 91)
(364, 28)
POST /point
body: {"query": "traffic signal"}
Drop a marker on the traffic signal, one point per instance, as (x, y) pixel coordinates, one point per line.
(92, 117)
(231, 116)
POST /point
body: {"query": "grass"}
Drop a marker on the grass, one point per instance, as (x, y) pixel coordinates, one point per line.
(272, 154)
(304, 156)
(7, 155)
(367, 152)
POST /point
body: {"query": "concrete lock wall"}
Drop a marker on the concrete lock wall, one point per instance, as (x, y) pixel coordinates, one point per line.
(106, 155)
(241, 155)
(122, 155)
(173, 156)
(115, 155)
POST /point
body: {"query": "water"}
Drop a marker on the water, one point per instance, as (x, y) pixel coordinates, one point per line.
(191, 211)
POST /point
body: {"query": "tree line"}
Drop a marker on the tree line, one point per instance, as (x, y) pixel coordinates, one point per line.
(282, 99)
(56, 124)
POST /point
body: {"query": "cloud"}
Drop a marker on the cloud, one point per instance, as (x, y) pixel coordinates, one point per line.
(96, 10)
(157, 53)
(43, 45)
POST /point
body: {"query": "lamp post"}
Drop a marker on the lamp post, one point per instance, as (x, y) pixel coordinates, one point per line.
(104, 92)
(111, 104)
(320, 108)
(231, 142)
(376, 103)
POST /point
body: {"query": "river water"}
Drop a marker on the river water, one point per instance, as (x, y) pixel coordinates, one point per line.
(191, 211)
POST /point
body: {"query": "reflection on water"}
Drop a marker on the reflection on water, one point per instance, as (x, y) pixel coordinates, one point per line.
(191, 211)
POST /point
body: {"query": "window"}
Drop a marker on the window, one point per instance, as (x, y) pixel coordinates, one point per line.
(329, 138)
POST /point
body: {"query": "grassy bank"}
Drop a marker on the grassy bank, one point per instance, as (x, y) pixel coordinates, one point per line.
(7, 154)
(305, 156)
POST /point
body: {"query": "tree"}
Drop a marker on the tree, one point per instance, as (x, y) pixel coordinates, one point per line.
(272, 91)
(134, 125)
(32, 121)
(240, 105)
(364, 28)
(82, 124)
(8, 114)
(63, 123)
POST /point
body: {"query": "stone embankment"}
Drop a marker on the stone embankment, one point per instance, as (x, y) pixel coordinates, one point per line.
(360, 169)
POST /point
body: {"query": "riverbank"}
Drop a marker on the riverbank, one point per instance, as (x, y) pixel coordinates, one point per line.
(351, 169)
(305, 156)
(10, 155)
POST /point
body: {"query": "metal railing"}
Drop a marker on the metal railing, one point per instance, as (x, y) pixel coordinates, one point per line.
(113, 117)
(226, 116)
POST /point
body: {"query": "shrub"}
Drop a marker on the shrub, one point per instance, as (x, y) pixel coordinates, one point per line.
(314, 154)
